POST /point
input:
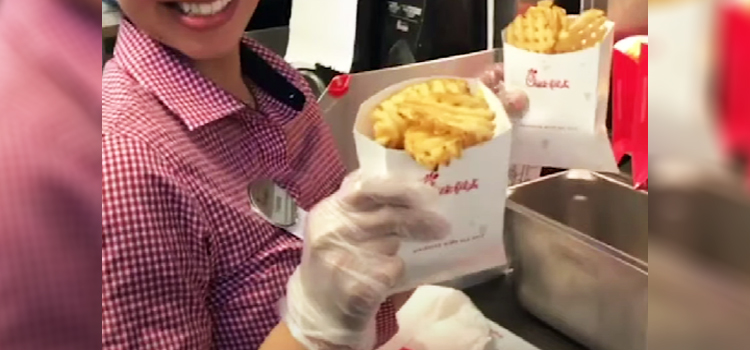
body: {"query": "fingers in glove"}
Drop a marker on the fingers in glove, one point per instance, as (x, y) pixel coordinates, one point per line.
(414, 224)
(366, 291)
(388, 245)
(493, 77)
(423, 225)
(374, 192)
(516, 102)
(363, 284)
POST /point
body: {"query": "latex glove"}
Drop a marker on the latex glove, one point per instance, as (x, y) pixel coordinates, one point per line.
(349, 263)
(515, 101)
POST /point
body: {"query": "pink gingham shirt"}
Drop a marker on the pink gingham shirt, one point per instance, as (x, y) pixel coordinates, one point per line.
(49, 175)
(186, 263)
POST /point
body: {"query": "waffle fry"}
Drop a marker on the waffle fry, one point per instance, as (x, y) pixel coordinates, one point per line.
(634, 51)
(584, 32)
(434, 121)
(389, 128)
(432, 150)
(546, 28)
(532, 31)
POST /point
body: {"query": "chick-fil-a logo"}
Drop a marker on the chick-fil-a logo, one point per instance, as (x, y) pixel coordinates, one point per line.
(533, 81)
(458, 187)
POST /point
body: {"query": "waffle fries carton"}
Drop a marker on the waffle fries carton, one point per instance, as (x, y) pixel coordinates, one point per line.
(472, 192)
(626, 89)
(734, 30)
(563, 63)
(640, 125)
(630, 104)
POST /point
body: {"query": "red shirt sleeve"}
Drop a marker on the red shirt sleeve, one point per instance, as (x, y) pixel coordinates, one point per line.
(155, 265)
(49, 235)
(387, 325)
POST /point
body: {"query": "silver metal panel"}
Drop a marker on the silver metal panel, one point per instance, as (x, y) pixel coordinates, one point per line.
(581, 244)
(699, 293)
(578, 243)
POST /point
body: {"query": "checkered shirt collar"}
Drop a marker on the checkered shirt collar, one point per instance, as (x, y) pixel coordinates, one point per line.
(168, 74)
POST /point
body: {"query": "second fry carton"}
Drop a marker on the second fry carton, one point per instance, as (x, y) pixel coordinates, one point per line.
(640, 125)
(735, 53)
(565, 126)
(625, 90)
(472, 194)
(630, 109)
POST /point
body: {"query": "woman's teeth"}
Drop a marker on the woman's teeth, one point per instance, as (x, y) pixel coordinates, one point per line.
(204, 8)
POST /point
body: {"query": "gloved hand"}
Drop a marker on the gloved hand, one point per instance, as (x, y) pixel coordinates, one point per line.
(516, 102)
(349, 263)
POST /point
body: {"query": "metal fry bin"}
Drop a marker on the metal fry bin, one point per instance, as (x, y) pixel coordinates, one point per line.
(578, 244)
(699, 293)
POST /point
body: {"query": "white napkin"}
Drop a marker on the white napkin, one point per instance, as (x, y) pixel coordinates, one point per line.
(440, 318)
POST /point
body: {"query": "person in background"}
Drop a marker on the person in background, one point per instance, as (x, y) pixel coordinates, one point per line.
(50, 199)
(193, 115)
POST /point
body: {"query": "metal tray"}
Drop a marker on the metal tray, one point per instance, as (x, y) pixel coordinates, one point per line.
(706, 218)
(699, 294)
(578, 244)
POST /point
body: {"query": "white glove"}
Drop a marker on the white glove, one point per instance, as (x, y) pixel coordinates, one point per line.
(515, 101)
(349, 263)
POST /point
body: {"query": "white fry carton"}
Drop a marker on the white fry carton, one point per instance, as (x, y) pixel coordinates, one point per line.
(565, 126)
(472, 195)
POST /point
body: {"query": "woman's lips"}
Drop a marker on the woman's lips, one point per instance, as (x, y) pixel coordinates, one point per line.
(206, 22)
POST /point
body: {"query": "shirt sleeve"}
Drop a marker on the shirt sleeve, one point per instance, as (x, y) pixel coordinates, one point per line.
(155, 265)
(49, 238)
(387, 325)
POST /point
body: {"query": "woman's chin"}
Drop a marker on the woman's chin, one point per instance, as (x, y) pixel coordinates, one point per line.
(198, 51)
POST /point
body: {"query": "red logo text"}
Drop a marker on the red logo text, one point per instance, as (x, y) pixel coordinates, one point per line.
(455, 188)
(533, 81)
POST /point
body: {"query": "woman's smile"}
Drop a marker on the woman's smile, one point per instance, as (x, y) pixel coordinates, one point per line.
(202, 9)
(203, 15)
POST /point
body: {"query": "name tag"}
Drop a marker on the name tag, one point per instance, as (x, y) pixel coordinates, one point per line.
(298, 228)
(275, 205)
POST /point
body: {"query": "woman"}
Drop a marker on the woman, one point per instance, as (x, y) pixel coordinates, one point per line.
(193, 115)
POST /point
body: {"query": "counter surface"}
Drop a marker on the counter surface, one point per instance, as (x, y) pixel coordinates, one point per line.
(497, 300)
